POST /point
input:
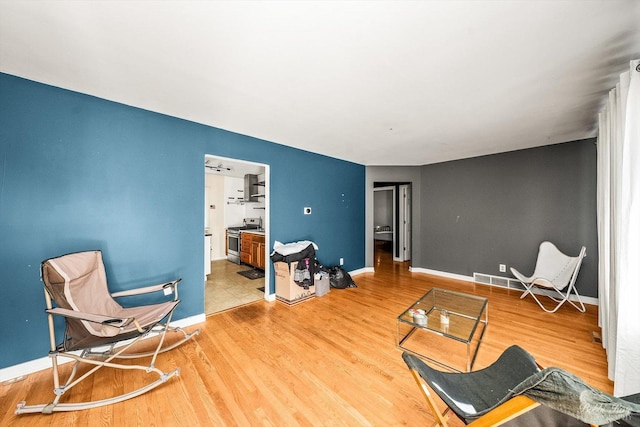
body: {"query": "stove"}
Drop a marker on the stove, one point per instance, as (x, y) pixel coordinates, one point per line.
(233, 237)
(243, 227)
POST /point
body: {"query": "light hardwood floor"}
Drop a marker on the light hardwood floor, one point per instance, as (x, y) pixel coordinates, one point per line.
(327, 361)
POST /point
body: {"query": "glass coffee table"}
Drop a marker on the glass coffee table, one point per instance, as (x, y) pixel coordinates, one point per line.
(441, 324)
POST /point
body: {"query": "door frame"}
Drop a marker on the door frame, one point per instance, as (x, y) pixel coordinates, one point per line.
(267, 213)
(402, 218)
(404, 222)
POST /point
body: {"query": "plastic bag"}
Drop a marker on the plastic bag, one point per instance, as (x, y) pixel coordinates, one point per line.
(340, 279)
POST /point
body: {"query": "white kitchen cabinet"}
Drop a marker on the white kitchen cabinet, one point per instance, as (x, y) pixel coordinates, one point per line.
(207, 256)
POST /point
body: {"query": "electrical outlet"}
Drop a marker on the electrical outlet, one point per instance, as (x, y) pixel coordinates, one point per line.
(503, 268)
(341, 261)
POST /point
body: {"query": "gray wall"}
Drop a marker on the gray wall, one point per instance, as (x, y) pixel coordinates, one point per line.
(392, 174)
(480, 212)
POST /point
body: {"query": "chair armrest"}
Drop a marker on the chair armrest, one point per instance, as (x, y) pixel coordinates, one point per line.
(509, 410)
(116, 322)
(148, 289)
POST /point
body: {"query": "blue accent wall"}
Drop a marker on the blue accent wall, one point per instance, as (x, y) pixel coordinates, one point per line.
(79, 172)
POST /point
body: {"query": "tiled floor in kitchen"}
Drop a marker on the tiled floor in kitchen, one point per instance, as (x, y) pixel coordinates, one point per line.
(225, 288)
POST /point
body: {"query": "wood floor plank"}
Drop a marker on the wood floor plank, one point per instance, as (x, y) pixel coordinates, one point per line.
(327, 361)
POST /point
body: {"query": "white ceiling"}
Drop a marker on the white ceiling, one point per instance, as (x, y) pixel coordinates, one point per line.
(373, 82)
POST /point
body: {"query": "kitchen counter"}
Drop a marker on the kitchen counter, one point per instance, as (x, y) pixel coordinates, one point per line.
(258, 232)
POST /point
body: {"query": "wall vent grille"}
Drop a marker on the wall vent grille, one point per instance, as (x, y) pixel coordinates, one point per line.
(505, 282)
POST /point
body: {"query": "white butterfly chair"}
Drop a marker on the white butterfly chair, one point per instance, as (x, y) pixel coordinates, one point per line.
(556, 273)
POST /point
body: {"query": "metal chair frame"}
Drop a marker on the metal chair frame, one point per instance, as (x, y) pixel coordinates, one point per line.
(552, 280)
(106, 353)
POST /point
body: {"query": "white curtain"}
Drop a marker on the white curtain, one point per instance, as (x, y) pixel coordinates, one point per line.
(619, 231)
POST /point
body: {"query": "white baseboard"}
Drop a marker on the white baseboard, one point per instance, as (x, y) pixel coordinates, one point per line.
(190, 321)
(586, 300)
(26, 368)
(441, 273)
(361, 270)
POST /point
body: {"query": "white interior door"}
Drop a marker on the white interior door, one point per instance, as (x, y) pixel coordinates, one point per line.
(404, 223)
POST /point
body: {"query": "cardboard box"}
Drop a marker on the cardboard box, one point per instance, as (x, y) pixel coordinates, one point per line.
(287, 290)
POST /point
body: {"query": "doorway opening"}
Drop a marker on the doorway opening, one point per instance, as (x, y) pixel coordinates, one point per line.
(231, 205)
(392, 222)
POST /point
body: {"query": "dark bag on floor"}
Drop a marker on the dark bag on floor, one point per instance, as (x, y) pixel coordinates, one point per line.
(340, 279)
